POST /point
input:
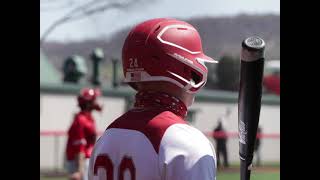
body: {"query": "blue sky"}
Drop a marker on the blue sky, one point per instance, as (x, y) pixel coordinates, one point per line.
(104, 24)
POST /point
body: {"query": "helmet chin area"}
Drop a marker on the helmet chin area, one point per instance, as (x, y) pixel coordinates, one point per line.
(197, 80)
(193, 81)
(188, 99)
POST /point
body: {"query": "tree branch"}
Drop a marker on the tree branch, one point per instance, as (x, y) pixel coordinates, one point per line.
(86, 11)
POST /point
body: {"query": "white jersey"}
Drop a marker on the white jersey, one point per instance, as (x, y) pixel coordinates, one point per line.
(151, 145)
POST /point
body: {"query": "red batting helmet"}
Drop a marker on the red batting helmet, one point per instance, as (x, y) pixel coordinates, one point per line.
(87, 97)
(165, 50)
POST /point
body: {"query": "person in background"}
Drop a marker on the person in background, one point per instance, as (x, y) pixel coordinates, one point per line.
(257, 147)
(82, 135)
(220, 137)
(271, 83)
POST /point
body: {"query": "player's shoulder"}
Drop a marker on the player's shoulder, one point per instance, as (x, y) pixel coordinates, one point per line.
(80, 118)
(184, 136)
(184, 146)
(187, 130)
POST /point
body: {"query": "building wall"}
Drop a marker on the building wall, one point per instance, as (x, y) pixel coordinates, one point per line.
(57, 110)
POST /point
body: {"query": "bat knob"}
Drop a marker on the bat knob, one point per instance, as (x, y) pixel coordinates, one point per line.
(252, 49)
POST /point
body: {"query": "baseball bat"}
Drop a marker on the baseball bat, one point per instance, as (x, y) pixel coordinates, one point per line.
(249, 102)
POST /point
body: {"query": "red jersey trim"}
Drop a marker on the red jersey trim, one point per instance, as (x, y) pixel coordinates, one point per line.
(152, 124)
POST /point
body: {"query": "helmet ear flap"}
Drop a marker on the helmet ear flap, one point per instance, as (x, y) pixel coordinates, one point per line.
(155, 61)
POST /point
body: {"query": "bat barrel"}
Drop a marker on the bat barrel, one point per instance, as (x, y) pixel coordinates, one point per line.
(249, 102)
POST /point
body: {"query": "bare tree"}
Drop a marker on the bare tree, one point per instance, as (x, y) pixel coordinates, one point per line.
(87, 9)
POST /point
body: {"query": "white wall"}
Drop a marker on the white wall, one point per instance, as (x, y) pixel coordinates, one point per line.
(56, 113)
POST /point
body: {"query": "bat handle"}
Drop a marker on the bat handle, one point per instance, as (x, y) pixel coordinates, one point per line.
(245, 170)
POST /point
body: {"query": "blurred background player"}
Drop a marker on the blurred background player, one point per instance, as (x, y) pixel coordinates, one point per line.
(271, 83)
(220, 137)
(162, 60)
(82, 135)
(257, 148)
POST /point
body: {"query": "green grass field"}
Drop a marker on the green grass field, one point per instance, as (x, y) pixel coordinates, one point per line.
(254, 176)
(269, 171)
(221, 176)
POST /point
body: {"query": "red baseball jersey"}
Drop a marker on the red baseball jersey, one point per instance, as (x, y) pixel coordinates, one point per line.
(81, 135)
(152, 144)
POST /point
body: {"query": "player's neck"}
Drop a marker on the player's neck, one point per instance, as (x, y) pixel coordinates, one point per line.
(86, 111)
(168, 88)
(161, 101)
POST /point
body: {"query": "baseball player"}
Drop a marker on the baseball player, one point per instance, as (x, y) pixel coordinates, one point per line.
(82, 135)
(164, 62)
